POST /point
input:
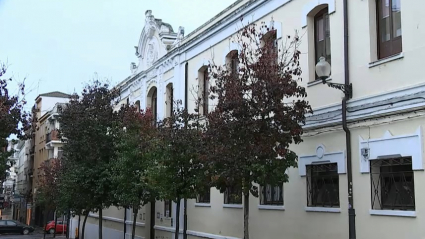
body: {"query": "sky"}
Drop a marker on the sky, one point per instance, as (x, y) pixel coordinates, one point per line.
(58, 45)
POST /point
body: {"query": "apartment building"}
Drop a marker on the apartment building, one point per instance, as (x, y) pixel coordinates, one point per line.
(46, 144)
(374, 165)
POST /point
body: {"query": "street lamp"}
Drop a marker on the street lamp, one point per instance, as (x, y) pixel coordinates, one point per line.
(323, 70)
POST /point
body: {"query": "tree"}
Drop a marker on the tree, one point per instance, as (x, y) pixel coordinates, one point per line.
(86, 125)
(180, 172)
(13, 119)
(259, 113)
(136, 153)
(48, 190)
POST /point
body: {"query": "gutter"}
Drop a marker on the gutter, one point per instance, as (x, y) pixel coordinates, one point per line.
(351, 210)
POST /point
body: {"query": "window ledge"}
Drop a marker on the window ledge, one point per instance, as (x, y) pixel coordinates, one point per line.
(396, 213)
(323, 209)
(271, 207)
(386, 60)
(232, 206)
(317, 82)
(202, 204)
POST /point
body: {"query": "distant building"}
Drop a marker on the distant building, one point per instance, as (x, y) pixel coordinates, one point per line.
(45, 143)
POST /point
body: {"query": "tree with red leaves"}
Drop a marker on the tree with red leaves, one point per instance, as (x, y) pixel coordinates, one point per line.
(13, 119)
(259, 113)
(48, 190)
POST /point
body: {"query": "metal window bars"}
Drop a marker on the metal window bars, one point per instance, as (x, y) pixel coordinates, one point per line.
(323, 185)
(392, 184)
(271, 195)
(233, 195)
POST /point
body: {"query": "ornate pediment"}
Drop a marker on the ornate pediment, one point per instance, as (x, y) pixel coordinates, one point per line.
(156, 40)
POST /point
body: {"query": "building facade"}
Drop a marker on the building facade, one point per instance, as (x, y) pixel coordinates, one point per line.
(45, 141)
(375, 45)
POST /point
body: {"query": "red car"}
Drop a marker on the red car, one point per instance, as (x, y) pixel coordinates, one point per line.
(60, 227)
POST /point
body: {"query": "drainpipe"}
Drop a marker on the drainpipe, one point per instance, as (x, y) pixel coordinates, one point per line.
(348, 95)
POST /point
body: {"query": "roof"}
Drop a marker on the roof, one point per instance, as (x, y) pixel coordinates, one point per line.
(56, 94)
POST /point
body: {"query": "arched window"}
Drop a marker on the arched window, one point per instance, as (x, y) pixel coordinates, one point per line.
(169, 100)
(322, 35)
(137, 104)
(152, 102)
(269, 41)
(232, 60)
(205, 92)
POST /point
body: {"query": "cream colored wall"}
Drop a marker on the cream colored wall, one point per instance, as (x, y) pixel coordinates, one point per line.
(386, 226)
(294, 221)
(113, 212)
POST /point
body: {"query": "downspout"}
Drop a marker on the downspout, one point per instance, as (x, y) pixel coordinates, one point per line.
(348, 95)
(186, 79)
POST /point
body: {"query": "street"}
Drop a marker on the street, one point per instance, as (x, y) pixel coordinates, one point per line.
(31, 236)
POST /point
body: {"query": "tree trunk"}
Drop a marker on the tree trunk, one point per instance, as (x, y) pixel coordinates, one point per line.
(185, 219)
(68, 219)
(100, 224)
(133, 230)
(246, 215)
(86, 214)
(56, 222)
(152, 225)
(44, 224)
(176, 236)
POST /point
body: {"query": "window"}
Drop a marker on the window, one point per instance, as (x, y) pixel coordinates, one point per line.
(323, 185)
(2, 223)
(389, 28)
(205, 93)
(322, 36)
(233, 195)
(205, 197)
(128, 101)
(234, 62)
(271, 195)
(154, 105)
(168, 208)
(11, 223)
(137, 105)
(392, 184)
(269, 40)
(169, 100)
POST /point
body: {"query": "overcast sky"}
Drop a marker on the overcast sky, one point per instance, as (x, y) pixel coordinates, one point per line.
(57, 45)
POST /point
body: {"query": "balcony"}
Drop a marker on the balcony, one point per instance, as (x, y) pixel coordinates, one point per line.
(52, 136)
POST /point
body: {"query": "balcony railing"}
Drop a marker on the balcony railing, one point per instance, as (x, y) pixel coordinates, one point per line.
(53, 135)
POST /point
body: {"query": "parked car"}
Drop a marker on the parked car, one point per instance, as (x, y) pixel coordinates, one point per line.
(12, 226)
(60, 227)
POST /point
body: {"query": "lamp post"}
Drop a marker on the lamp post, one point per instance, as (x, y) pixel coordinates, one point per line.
(323, 70)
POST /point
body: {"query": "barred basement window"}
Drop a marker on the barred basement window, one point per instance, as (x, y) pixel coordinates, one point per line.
(392, 184)
(205, 197)
(233, 195)
(271, 195)
(323, 185)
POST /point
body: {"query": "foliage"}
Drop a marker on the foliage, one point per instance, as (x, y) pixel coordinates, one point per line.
(179, 172)
(89, 149)
(48, 190)
(259, 113)
(13, 119)
(135, 154)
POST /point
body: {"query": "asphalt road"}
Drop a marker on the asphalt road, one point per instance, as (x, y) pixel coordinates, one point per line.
(31, 236)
